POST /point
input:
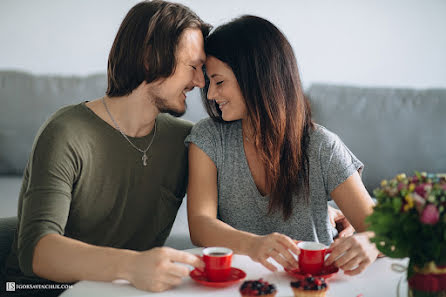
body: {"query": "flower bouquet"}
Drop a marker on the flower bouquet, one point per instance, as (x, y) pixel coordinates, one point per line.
(409, 220)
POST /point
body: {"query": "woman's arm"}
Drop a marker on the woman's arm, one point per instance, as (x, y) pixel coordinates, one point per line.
(206, 230)
(354, 201)
(204, 227)
(353, 254)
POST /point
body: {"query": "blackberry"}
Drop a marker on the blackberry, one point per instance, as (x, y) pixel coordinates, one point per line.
(310, 283)
(295, 284)
(309, 279)
(257, 288)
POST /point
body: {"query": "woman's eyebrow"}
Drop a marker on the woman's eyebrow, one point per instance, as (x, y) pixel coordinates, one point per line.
(215, 74)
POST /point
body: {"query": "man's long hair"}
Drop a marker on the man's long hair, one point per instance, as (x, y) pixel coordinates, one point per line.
(145, 46)
(264, 64)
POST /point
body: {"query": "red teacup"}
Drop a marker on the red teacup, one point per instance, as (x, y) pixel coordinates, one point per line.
(311, 257)
(218, 263)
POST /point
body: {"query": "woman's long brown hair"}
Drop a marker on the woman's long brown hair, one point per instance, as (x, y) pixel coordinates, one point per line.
(264, 64)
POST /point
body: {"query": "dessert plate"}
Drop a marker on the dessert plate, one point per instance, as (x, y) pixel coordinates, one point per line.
(200, 277)
(327, 272)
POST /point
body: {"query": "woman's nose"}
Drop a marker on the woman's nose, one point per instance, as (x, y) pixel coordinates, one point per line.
(211, 92)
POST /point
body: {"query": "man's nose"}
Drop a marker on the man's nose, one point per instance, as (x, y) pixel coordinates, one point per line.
(199, 78)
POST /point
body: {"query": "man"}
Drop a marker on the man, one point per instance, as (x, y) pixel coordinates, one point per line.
(105, 178)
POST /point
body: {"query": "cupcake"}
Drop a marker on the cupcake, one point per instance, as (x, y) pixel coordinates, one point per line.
(310, 287)
(257, 288)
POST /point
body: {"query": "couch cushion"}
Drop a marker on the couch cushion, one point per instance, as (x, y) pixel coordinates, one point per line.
(9, 195)
(8, 227)
(179, 235)
(390, 130)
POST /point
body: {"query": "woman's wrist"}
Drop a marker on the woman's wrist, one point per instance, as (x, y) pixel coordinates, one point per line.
(248, 244)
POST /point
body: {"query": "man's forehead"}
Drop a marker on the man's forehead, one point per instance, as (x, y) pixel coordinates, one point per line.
(191, 46)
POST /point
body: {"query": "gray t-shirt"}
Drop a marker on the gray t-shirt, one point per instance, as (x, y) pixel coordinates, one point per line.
(241, 205)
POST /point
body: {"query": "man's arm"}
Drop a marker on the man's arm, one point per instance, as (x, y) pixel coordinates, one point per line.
(63, 259)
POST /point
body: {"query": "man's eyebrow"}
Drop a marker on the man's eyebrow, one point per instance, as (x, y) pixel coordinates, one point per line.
(198, 61)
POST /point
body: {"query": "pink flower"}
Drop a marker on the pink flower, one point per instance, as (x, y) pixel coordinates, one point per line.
(430, 215)
(419, 202)
(401, 186)
(422, 189)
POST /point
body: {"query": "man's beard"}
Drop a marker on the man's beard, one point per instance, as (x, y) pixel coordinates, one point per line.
(164, 107)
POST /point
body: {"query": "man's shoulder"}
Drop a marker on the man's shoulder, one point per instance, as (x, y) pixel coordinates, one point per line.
(174, 124)
(62, 119)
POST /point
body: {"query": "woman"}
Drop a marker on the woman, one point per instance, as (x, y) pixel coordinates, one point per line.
(260, 171)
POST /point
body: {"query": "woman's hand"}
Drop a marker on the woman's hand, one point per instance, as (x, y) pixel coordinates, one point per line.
(277, 246)
(340, 222)
(352, 254)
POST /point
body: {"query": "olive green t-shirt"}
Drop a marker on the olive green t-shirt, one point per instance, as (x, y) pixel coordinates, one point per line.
(85, 181)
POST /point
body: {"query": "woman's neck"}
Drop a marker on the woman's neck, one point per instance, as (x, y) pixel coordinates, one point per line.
(248, 131)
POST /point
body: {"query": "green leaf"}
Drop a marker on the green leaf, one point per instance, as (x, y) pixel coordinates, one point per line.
(397, 203)
(418, 175)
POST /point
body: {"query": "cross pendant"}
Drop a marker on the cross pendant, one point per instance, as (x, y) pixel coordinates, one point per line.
(144, 159)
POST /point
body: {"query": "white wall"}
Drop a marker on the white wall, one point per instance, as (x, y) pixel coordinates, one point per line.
(368, 42)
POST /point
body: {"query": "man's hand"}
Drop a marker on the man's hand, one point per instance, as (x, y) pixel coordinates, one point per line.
(340, 222)
(155, 270)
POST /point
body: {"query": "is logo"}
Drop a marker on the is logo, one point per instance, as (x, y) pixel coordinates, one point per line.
(10, 286)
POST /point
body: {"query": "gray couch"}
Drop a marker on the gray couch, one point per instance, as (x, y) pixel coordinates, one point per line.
(390, 130)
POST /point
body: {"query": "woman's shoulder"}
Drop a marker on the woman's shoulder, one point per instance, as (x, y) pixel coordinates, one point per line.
(322, 136)
(213, 126)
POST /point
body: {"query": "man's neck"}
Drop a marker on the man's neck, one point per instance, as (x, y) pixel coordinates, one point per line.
(135, 114)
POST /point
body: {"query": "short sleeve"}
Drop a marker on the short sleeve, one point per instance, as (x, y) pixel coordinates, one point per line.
(205, 135)
(337, 162)
(50, 175)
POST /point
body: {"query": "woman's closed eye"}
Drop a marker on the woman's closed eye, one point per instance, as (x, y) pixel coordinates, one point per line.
(219, 82)
(195, 68)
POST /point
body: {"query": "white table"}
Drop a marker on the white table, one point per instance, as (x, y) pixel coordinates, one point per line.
(379, 280)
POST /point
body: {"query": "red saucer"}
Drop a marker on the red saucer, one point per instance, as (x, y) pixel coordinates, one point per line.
(200, 277)
(327, 272)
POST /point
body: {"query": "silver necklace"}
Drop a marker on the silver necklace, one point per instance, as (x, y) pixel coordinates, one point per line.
(144, 152)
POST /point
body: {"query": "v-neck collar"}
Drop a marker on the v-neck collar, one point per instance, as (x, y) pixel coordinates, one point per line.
(245, 162)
